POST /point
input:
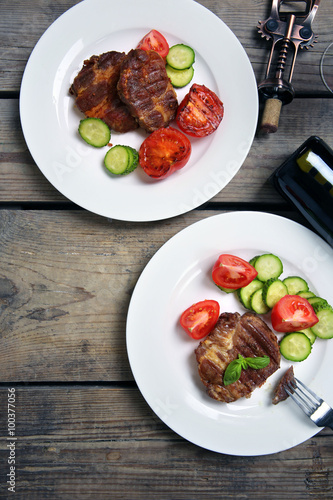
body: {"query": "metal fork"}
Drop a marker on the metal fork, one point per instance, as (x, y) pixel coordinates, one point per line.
(313, 406)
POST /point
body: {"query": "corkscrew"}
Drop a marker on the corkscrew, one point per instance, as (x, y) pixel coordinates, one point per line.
(289, 30)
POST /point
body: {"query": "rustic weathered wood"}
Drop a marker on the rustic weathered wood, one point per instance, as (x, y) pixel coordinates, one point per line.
(64, 304)
(104, 442)
(66, 277)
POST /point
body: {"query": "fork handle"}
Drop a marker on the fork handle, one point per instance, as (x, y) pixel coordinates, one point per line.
(328, 421)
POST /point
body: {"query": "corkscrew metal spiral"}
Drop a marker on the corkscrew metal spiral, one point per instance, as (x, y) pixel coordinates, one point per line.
(289, 31)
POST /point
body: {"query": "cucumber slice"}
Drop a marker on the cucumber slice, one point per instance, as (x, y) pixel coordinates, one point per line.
(133, 159)
(257, 303)
(309, 333)
(95, 132)
(179, 78)
(306, 295)
(268, 266)
(180, 56)
(295, 284)
(317, 300)
(274, 289)
(253, 260)
(324, 327)
(121, 160)
(295, 346)
(227, 290)
(244, 293)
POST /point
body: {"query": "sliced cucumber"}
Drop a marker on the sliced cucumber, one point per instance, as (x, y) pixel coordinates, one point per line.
(244, 294)
(179, 78)
(268, 266)
(257, 303)
(309, 333)
(273, 290)
(295, 346)
(227, 290)
(180, 56)
(317, 300)
(133, 159)
(253, 260)
(95, 132)
(121, 160)
(306, 295)
(324, 327)
(295, 284)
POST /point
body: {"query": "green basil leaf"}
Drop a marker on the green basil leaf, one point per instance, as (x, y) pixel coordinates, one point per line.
(233, 372)
(258, 362)
(242, 361)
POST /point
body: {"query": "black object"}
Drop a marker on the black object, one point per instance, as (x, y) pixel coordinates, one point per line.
(306, 180)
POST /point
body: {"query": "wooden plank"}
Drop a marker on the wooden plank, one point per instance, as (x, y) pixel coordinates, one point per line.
(21, 180)
(29, 22)
(103, 442)
(66, 279)
(65, 293)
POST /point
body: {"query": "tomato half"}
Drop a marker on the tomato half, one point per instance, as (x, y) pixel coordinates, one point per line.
(200, 112)
(154, 40)
(293, 313)
(232, 272)
(164, 151)
(200, 319)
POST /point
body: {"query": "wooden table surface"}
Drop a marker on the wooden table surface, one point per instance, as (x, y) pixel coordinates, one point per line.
(66, 276)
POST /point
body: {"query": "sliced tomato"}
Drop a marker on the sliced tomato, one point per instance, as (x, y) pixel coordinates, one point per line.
(200, 319)
(164, 151)
(293, 313)
(200, 112)
(154, 40)
(232, 272)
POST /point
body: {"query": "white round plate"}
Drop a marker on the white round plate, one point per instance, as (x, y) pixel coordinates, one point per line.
(50, 120)
(162, 356)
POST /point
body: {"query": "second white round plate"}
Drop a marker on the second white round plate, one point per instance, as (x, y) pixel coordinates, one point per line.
(162, 356)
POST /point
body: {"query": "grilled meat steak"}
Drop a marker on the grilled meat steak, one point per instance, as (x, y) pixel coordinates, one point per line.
(95, 91)
(280, 393)
(234, 334)
(145, 88)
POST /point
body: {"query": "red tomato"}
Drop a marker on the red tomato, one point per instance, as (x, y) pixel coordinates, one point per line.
(233, 272)
(293, 313)
(154, 40)
(200, 319)
(164, 151)
(200, 112)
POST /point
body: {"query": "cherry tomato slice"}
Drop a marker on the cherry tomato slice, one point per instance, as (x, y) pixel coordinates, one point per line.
(200, 319)
(164, 151)
(293, 313)
(232, 272)
(200, 112)
(154, 40)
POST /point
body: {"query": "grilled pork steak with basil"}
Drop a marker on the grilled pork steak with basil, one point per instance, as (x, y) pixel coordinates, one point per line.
(246, 335)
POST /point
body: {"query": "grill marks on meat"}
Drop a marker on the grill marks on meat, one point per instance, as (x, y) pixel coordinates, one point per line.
(95, 91)
(234, 334)
(146, 89)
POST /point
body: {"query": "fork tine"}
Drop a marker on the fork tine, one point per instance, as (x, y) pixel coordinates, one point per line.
(303, 396)
(298, 399)
(316, 398)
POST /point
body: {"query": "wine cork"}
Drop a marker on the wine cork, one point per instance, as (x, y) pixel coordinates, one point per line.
(271, 115)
